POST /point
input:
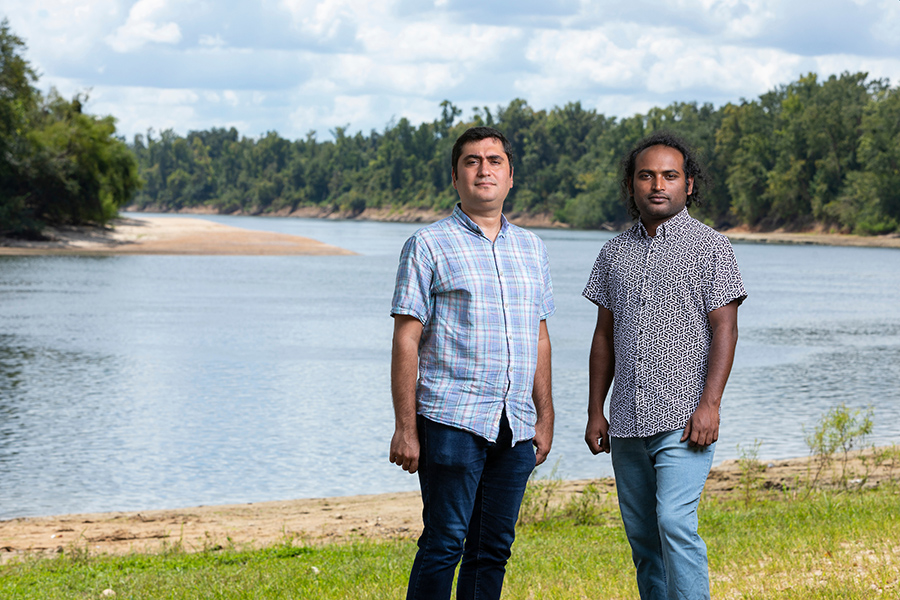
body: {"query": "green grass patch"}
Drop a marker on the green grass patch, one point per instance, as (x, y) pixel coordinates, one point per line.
(826, 545)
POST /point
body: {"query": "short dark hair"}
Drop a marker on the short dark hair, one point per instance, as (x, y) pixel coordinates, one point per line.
(691, 167)
(476, 134)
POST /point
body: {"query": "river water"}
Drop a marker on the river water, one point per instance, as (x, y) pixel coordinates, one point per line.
(138, 382)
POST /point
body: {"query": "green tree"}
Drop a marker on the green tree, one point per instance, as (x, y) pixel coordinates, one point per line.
(57, 164)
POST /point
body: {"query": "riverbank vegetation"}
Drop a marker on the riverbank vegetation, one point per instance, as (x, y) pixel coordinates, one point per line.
(58, 165)
(812, 154)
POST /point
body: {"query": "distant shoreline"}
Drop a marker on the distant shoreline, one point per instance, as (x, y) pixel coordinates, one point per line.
(546, 221)
(175, 235)
(166, 236)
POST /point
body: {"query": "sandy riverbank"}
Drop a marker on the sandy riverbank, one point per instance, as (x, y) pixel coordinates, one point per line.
(322, 520)
(166, 235)
(814, 238)
(195, 235)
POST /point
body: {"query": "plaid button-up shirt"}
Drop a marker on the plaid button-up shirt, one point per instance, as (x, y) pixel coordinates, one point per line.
(481, 304)
(660, 290)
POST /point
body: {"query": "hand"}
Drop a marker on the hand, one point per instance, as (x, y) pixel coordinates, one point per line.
(596, 434)
(405, 449)
(702, 428)
(543, 439)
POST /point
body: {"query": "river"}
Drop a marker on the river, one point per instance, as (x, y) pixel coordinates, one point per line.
(138, 382)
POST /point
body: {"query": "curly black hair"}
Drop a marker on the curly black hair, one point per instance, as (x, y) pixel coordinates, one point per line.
(691, 167)
(476, 134)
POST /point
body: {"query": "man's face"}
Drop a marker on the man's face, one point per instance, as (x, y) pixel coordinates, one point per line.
(483, 176)
(659, 186)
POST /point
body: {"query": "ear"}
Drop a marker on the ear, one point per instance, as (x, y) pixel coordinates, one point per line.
(510, 176)
(689, 184)
(453, 178)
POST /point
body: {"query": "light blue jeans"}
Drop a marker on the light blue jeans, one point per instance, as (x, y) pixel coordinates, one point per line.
(659, 481)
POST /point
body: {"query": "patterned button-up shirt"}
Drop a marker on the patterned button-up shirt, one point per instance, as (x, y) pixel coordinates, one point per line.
(481, 304)
(660, 290)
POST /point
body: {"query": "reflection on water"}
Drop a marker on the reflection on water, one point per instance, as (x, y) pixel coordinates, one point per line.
(138, 382)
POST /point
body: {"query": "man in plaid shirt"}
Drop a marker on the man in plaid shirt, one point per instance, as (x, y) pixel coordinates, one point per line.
(470, 373)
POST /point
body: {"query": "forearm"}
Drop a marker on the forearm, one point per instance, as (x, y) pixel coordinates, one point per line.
(601, 365)
(405, 371)
(721, 354)
(601, 368)
(542, 393)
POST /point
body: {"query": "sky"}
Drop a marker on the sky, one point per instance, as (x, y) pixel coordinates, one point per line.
(296, 66)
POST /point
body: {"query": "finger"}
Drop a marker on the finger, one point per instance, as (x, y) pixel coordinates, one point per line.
(540, 454)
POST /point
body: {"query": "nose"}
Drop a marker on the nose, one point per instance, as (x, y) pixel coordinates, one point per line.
(658, 183)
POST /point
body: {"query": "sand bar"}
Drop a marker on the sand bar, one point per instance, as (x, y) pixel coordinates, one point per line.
(322, 520)
(813, 238)
(167, 235)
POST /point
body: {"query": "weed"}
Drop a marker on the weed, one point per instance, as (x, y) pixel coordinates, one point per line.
(586, 507)
(539, 494)
(752, 469)
(838, 429)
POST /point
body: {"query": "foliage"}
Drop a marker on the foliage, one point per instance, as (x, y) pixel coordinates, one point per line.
(838, 429)
(752, 470)
(57, 164)
(809, 152)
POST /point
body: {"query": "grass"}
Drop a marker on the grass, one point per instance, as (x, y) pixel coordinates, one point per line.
(834, 544)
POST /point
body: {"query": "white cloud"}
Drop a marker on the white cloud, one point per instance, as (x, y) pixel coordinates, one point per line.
(296, 65)
(142, 27)
(211, 41)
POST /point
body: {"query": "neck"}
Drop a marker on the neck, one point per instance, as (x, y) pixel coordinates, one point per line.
(650, 227)
(489, 222)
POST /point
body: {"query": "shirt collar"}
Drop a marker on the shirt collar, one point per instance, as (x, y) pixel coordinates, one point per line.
(468, 223)
(670, 227)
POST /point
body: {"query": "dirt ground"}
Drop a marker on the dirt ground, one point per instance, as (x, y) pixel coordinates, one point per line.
(166, 235)
(323, 520)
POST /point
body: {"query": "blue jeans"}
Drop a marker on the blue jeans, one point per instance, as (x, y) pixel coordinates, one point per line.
(471, 493)
(660, 480)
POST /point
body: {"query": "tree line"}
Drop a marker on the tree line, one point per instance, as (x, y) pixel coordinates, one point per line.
(810, 153)
(807, 153)
(58, 165)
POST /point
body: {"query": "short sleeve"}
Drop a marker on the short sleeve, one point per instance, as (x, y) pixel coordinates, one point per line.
(412, 290)
(547, 305)
(722, 281)
(597, 288)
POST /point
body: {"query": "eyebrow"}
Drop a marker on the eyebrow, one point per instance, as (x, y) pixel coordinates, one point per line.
(665, 171)
(478, 156)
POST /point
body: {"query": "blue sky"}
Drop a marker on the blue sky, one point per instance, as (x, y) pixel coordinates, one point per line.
(293, 66)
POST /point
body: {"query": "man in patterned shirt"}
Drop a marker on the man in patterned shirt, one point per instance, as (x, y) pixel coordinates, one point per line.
(667, 292)
(470, 374)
